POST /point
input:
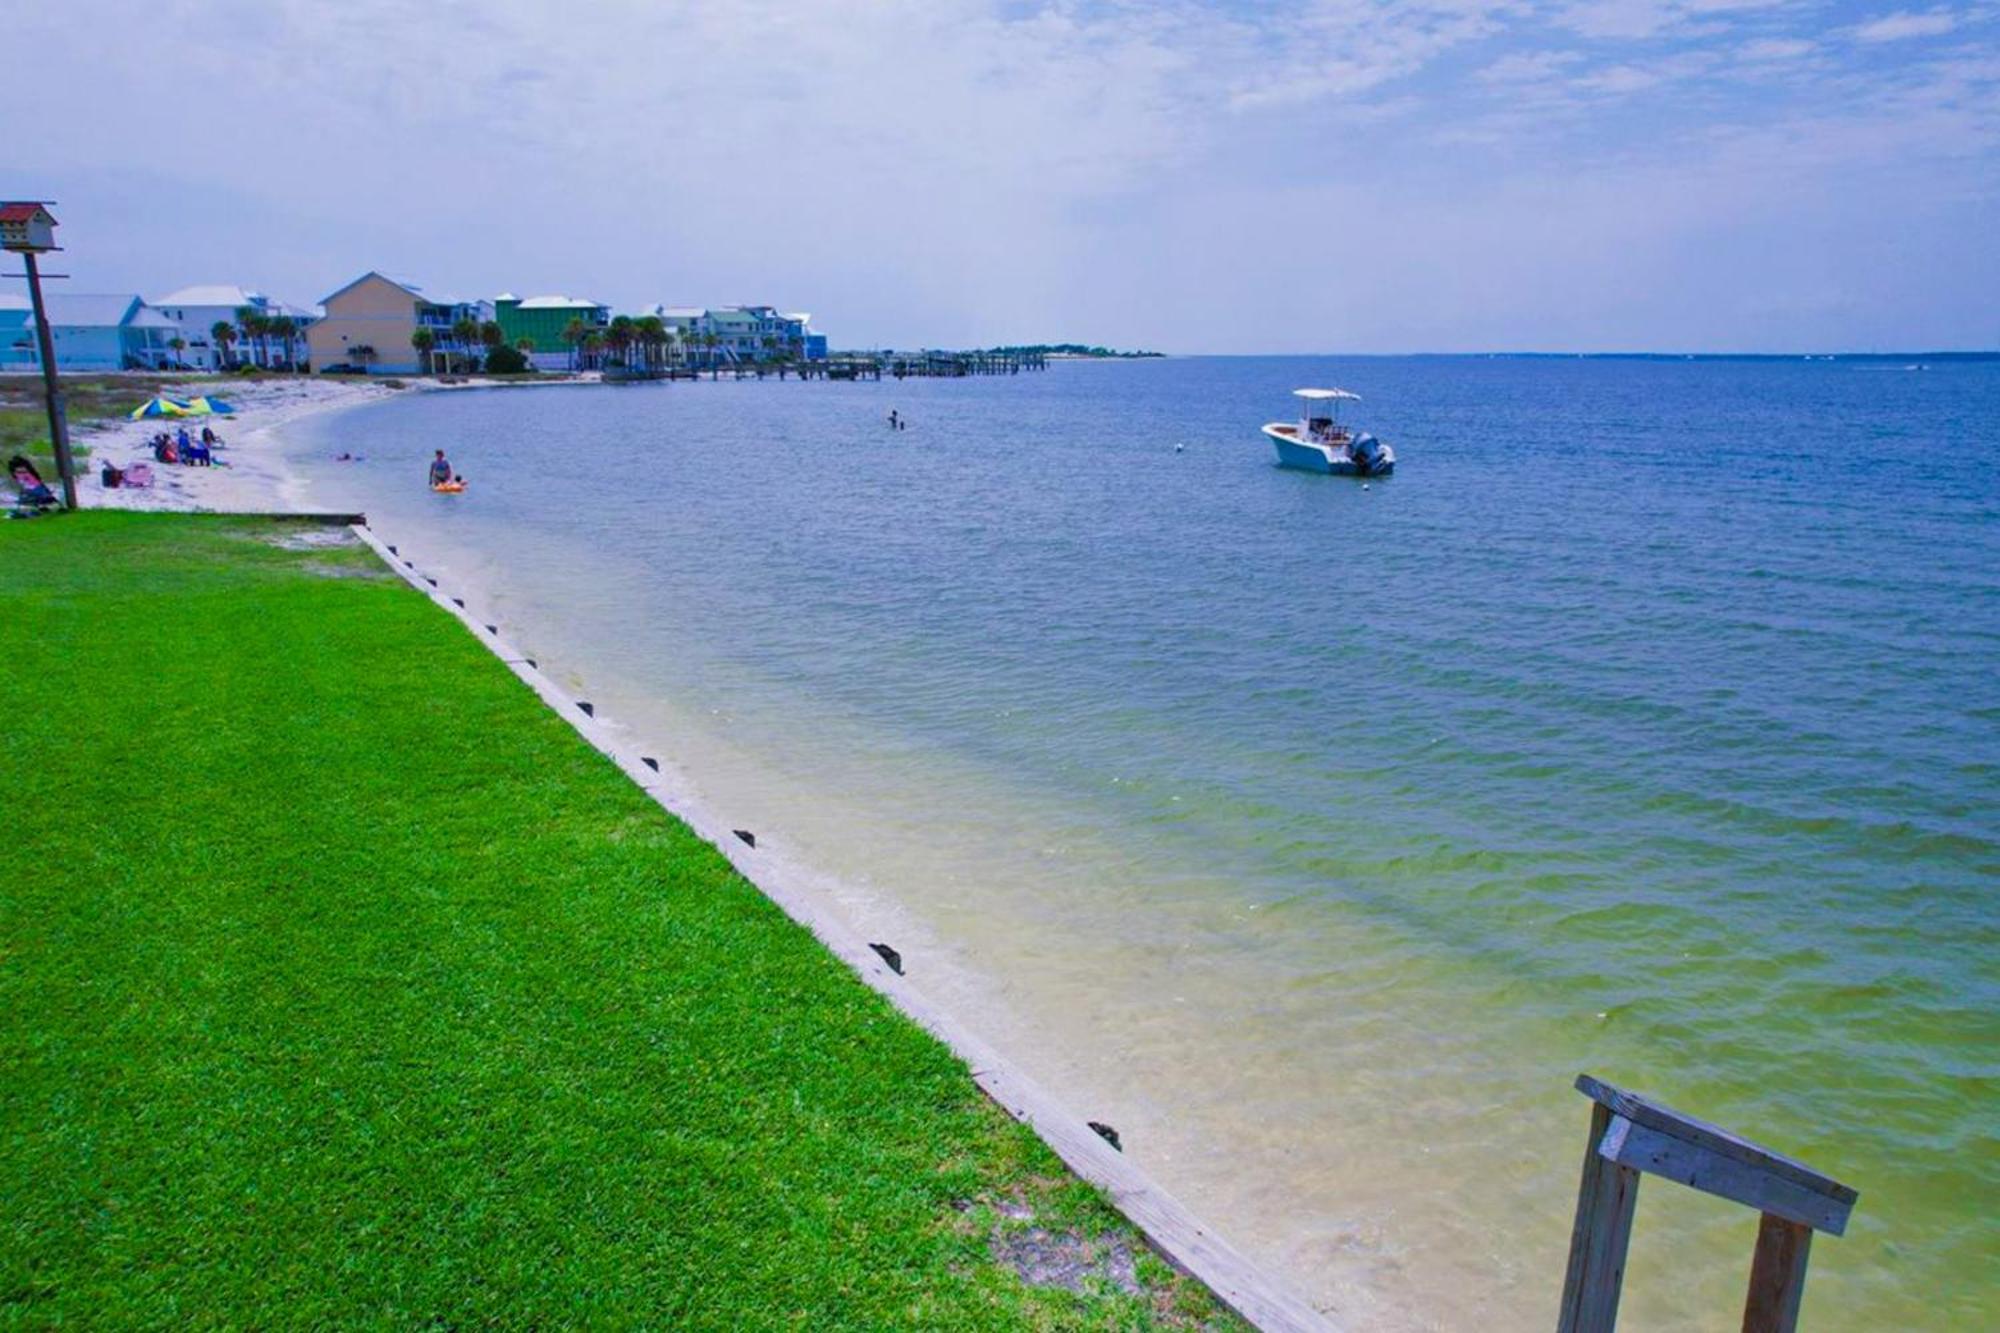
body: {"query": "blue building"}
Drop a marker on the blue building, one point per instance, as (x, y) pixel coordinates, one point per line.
(91, 332)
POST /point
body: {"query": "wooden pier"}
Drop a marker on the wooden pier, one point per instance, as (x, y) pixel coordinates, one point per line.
(860, 366)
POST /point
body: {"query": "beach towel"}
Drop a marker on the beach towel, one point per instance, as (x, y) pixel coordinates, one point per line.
(139, 474)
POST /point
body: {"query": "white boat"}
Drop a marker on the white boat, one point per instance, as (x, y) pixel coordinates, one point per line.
(1317, 442)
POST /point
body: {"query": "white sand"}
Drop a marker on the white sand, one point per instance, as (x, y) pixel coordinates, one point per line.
(252, 477)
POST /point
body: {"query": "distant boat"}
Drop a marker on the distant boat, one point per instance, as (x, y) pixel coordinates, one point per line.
(1317, 442)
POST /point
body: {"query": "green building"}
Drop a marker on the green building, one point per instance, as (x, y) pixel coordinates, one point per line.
(541, 320)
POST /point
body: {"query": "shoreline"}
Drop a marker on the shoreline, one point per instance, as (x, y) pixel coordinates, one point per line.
(267, 480)
(501, 1069)
(253, 471)
(1261, 1297)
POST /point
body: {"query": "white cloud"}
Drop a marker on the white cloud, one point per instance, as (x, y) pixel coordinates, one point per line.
(1528, 66)
(1773, 49)
(952, 171)
(1905, 23)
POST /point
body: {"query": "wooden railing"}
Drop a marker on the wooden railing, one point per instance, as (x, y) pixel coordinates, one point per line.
(1631, 1136)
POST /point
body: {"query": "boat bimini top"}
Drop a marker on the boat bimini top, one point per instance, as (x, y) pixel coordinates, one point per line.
(1321, 419)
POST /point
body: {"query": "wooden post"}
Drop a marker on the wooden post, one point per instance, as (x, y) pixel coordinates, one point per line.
(1630, 1134)
(51, 386)
(1777, 1276)
(1597, 1243)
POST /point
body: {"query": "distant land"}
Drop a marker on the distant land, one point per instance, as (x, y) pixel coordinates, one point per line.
(1067, 349)
(1897, 358)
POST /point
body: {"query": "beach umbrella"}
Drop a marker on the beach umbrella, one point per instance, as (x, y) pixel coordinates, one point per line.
(204, 405)
(161, 407)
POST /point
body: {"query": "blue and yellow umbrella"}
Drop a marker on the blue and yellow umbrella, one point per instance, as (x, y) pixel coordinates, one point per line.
(162, 407)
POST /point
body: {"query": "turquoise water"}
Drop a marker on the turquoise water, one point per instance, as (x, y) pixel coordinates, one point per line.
(1645, 723)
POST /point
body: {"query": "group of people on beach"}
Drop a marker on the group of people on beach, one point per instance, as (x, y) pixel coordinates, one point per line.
(180, 448)
(897, 421)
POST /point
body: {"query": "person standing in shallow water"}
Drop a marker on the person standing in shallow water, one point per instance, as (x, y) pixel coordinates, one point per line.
(440, 469)
(895, 422)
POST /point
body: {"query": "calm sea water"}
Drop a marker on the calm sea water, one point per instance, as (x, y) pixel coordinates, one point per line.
(1646, 724)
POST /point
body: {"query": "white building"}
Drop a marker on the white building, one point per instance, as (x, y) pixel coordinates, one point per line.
(742, 333)
(90, 331)
(199, 309)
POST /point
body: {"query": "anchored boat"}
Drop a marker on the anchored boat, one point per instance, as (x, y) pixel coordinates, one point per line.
(1318, 442)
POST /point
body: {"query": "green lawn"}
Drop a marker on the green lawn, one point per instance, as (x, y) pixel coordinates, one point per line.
(341, 983)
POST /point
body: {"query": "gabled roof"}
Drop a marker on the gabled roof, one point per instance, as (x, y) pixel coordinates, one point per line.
(145, 317)
(560, 303)
(26, 210)
(414, 292)
(215, 293)
(88, 310)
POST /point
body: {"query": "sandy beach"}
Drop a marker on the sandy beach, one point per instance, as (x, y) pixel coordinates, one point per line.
(250, 473)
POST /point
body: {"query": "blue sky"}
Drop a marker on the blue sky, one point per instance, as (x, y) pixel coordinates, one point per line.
(1625, 174)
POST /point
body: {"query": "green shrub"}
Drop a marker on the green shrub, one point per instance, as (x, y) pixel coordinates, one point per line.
(505, 360)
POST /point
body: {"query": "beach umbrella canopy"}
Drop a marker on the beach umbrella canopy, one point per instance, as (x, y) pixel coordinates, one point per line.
(203, 405)
(161, 407)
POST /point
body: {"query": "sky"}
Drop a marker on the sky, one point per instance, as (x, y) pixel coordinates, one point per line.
(1293, 176)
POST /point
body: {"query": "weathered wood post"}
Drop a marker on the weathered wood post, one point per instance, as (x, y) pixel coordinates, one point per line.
(1631, 1136)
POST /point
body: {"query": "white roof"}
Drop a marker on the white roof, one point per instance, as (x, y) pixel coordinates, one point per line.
(558, 303)
(1341, 394)
(214, 293)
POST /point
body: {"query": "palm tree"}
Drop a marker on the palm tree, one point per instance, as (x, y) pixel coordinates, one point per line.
(652, 331)
(572, 334)
(465, 332)
(224, 334)
(770, 346)
(590, 344)
(424, 340)
(177, 343)
(492, 335)
(620, 336)
(285, 329)
(246, 319)
(667, 344)
(708, 343)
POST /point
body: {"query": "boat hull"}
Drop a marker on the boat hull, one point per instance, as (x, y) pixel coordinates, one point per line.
(1329, 460)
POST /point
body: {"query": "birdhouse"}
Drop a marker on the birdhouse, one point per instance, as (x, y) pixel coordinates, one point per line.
(27, 227)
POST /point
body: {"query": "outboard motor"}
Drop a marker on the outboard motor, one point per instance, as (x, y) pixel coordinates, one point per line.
(1371, 458)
